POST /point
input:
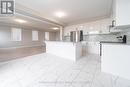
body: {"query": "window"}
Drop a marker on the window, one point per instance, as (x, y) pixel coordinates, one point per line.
(16, 34)
(46, 35)
(34, 35)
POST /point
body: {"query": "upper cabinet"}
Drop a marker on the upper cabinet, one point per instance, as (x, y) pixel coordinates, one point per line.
(121, 12)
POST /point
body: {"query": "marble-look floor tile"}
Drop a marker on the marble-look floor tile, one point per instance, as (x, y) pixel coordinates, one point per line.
(12, 84)
(46, 70)
(120, 82)
(102, 80)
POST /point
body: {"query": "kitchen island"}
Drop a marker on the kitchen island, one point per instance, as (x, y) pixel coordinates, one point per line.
(68, 50)
(116, 59)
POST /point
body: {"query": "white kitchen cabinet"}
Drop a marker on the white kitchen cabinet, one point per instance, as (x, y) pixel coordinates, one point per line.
(116, 59)
(121, 12)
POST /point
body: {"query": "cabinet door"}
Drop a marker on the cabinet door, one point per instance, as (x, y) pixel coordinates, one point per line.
(122, 12)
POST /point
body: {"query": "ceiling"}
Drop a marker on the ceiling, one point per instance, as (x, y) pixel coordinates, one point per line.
(40, 14)
(31, 23)
(76, 10)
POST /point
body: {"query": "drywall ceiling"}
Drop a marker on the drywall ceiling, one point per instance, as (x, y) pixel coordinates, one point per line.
(40, 14)
(75, 10)
(31, 22)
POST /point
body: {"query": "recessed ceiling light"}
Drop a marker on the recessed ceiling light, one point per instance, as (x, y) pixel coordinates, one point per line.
(60, 14)
(20, 21)
(55, 28)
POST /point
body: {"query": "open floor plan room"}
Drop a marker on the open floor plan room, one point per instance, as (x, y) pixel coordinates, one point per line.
(64, 43)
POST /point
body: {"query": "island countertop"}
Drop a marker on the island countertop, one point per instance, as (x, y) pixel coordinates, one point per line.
(61, 42)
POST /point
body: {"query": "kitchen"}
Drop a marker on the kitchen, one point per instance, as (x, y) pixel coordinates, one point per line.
(65, 43)
(97, 37)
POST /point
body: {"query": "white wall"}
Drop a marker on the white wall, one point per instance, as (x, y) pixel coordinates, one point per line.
(52, 36)
(58, 36)
(5, 38)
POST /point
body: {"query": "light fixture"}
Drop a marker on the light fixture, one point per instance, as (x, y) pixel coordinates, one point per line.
(55, 28)
(60, 14)
(20, 20)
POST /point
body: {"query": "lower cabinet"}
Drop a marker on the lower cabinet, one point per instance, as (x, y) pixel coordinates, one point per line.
(115, 59)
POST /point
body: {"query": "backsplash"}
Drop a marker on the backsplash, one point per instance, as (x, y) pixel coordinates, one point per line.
(107, 37)
(98, 38)
(99, 25)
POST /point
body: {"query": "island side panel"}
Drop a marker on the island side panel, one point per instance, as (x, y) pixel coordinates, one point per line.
(62, 49)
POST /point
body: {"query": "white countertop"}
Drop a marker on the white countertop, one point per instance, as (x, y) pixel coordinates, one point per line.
(58, 41)
(115, 44)
(62, 42)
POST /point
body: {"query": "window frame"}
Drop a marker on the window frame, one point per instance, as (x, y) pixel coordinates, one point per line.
(16, 34)
(35, 35)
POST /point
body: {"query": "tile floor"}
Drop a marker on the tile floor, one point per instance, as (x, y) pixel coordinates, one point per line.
(46, 70)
